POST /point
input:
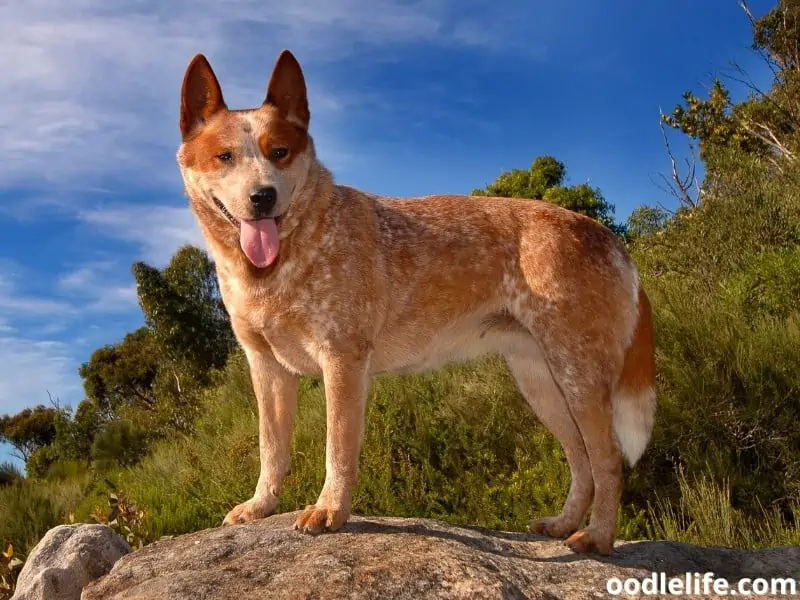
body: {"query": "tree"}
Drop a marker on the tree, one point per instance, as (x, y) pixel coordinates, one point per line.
(183, 308)
(29, 430)
(766, 124)
(121, 375)
(544, 180)
(646, 221)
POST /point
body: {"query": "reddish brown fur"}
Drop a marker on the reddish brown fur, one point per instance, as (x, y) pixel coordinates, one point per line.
(365, 285)
(639, 371)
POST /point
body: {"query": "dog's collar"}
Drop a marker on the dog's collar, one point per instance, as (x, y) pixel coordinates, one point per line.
(234, 221)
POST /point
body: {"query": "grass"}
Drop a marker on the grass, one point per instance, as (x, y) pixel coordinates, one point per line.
(705, 516)
(29, 508)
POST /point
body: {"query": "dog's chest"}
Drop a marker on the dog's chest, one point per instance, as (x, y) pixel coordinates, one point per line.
(298, 326)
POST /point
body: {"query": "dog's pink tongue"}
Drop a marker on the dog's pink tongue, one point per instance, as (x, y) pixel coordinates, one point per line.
(259, 240)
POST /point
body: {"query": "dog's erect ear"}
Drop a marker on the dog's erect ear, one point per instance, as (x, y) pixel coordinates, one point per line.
(201, 95)
(287, 89)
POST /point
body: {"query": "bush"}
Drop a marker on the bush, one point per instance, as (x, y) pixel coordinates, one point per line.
(29, 508)
(119, 443)
(767, 286)
(9, 473)
(40, 462)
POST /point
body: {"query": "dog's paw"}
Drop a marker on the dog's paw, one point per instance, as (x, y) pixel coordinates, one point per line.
(590, 540)
(318, 518)
(554, 527)
(255, 508)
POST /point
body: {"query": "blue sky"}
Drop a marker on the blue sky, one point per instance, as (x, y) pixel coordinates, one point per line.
(408, 97)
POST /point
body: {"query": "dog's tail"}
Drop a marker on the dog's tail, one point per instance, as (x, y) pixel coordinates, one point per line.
(634, 399)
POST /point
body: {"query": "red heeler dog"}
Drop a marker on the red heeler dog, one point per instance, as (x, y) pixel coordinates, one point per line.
(327, 281)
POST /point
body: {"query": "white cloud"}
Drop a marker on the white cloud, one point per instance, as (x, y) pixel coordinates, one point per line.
(91, 88)
(5, 326)
(14, 303)
(30, 368)
(157, 230)
(97, 285)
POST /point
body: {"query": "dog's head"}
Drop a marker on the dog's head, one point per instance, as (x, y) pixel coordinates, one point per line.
(246, 167)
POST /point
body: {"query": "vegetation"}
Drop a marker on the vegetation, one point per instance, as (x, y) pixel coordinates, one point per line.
(165, 441)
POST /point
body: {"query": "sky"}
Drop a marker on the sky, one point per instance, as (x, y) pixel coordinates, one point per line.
(407, 97)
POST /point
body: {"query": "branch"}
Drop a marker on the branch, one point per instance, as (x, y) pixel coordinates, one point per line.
(19, 451)
(767, 136)
(679, 187)
(54, 403)
(763, 96)
(772, 61)
(147, 401)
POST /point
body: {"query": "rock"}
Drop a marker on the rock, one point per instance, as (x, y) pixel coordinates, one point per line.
(389, 558)
(66, 559)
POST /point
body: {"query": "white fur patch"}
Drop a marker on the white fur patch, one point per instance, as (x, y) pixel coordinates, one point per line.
(633, 419)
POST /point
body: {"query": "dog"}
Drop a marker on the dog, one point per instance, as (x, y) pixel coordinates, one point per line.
(327, 281)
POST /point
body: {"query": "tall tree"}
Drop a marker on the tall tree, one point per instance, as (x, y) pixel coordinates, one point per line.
(183, 307)
(29, 430)
(767, 123)
(544, 180)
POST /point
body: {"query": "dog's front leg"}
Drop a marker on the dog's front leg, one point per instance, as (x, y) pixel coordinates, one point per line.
(346, 384)
(276, 394)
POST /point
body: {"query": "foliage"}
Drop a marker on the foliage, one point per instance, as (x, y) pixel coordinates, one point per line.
(29, 508)
(9, 473)
(124, 517)
(704, 515)
(121, 376)
(767, 123)
(9, 569)
(184, 310)
(29, 429)
(768, 285)
(544, 180)
(119, 444)
(646, 221)
(40, 461)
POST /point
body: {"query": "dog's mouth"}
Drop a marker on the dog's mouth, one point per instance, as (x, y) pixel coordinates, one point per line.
(258, 238)
(234, 221)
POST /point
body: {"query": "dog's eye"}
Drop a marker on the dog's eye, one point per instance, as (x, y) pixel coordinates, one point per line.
(278, 153)
(225, 156)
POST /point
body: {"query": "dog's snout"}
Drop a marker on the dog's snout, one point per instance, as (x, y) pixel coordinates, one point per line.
(263, 199)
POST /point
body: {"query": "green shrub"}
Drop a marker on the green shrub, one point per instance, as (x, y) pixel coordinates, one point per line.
(29, 508)
(767, 286)
(119, 443)
(9, 473)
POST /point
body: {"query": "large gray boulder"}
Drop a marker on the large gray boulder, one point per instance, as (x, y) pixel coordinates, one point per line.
(389, 558)
(66, 559)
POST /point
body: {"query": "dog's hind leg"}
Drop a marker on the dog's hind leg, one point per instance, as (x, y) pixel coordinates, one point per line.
(537, 385)
(584, 386)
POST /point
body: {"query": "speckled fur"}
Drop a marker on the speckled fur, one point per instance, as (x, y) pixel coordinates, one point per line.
(365, 285)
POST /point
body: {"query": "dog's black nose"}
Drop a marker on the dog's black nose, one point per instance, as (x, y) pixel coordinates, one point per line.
(263, 199)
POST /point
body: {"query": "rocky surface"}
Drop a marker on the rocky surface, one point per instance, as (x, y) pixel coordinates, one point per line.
(389, 558)
(66, 559)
